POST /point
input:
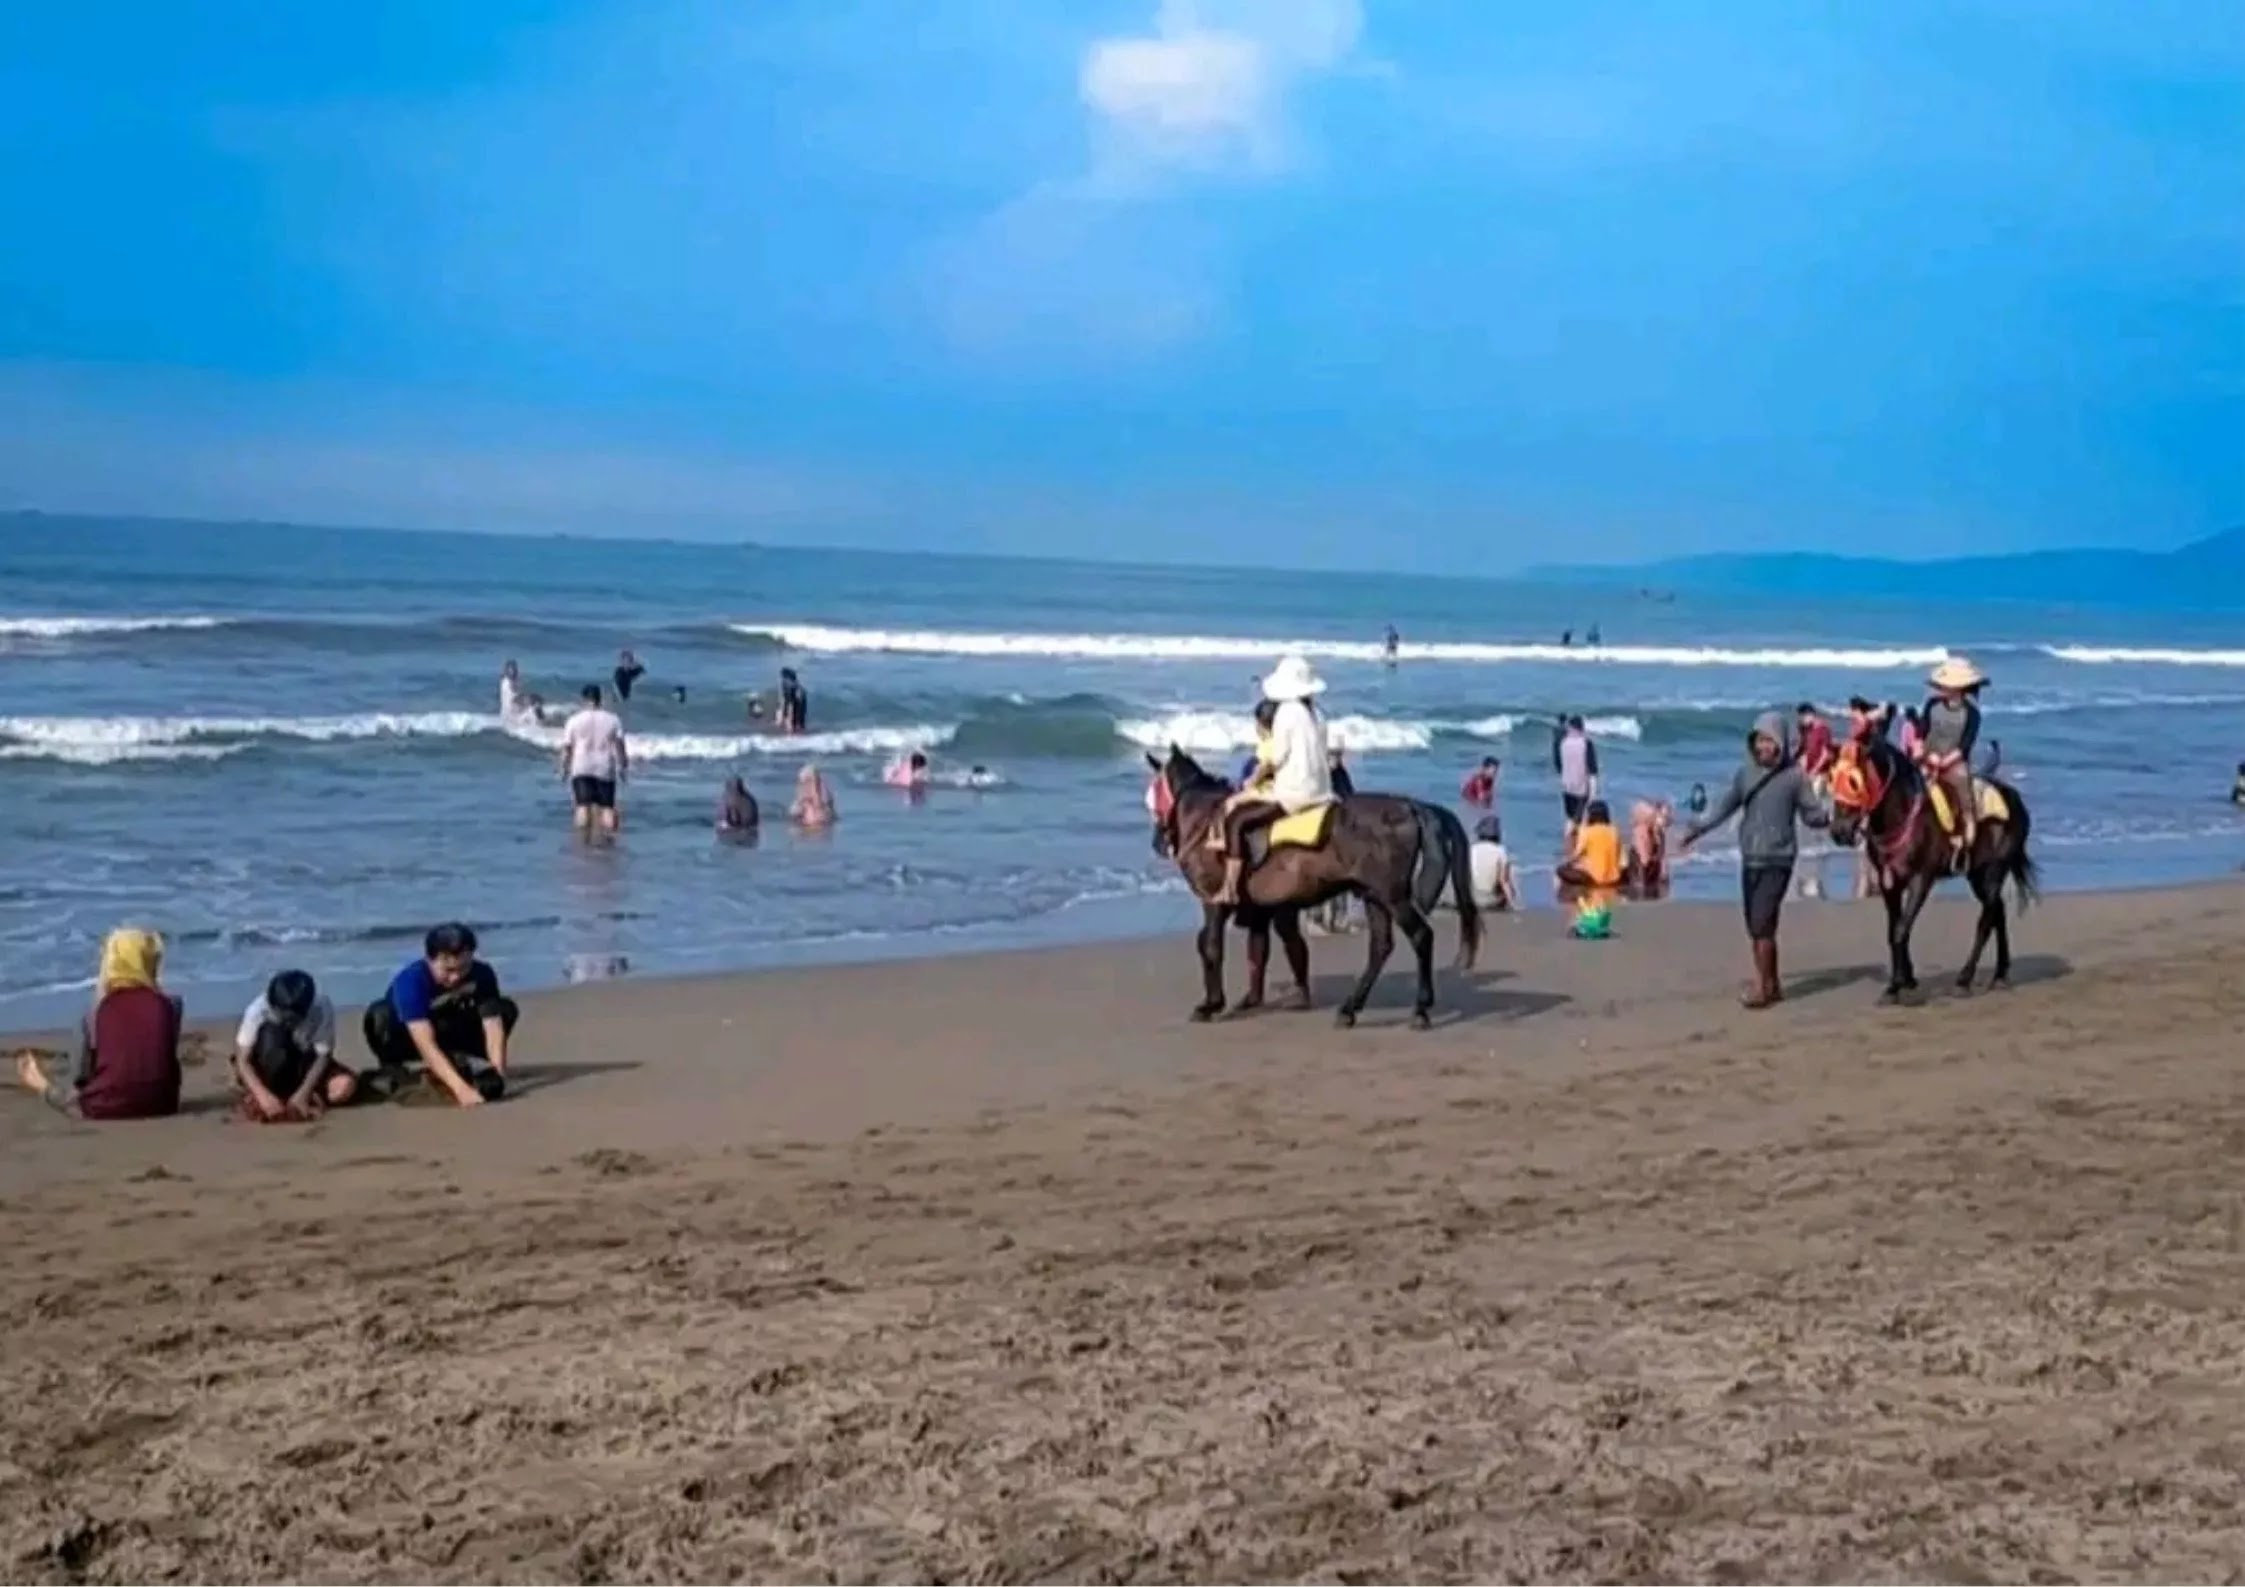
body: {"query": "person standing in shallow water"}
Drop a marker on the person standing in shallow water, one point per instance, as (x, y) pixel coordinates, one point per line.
(594, 759)
(628, 672)
(1769, 794)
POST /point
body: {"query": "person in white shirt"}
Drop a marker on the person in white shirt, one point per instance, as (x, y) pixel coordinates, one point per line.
(512, 706)
(594, 759)
(1299, 763)
(284, 1053)
(1491, 863)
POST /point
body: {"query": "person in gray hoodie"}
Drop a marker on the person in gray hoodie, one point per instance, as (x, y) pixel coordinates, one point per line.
(1769, 795)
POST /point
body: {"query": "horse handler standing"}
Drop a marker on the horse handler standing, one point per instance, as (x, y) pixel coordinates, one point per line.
(1769, 794)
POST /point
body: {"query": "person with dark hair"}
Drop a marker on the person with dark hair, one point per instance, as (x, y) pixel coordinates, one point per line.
(736, 808)
(628, 672)
(1490, 865)
(794, 704)
(2237, 788)
(284, 1053)
(1575, 758)
(594, 759)
(445, 1013)
(1815, 743)
(1480, 786)
(1771, 796)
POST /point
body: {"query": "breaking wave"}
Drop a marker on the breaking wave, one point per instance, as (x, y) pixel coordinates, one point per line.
(1203, 647)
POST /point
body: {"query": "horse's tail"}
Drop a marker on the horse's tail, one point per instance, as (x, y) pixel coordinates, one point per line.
(1445, 860)
(2022, 871)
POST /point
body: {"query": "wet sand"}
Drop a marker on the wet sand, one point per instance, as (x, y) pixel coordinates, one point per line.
(997, 1269)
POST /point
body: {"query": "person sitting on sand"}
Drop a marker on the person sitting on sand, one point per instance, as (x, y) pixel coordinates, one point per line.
(1648, 846)
(445, 1013)
(128, 1044)
(814, 801)
(1594, 861)
(1490, 864)
(736, 808)
(1768, 794)
(1480, 786)
(284, 1053)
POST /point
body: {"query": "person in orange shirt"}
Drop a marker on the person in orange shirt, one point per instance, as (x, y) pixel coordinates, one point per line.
(1595, 860)
(1593, 870)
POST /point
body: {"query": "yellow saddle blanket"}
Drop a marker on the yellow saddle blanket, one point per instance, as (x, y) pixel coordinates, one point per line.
(1993, 806)
(1305, 829)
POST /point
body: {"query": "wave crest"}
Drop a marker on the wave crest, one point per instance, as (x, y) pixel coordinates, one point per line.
(1203, 647)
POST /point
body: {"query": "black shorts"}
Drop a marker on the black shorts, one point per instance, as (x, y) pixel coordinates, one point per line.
(1763, 888)
(593, 793)
(1575, 805)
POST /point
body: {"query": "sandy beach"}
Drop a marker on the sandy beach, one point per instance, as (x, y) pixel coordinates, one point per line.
(995, 1269)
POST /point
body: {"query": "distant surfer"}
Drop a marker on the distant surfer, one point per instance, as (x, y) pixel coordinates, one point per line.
(2237, 788)
(1391, 645)
(1566, 638)
(1594, 637)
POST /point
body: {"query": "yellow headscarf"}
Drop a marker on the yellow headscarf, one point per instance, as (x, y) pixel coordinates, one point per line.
(130, 957)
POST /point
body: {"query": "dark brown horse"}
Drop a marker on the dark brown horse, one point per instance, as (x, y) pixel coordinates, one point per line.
(1396, 854)
(1879, 796)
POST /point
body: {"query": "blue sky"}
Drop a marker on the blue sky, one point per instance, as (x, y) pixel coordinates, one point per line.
(1420, 284)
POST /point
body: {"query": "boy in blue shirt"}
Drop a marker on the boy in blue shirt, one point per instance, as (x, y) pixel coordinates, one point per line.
(445, 1013)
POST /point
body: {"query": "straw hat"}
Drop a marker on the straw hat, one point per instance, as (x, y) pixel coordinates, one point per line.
(1292, 679)
(1955, 672)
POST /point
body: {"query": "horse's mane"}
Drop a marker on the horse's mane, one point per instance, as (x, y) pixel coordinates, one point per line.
(1188, 776)
(1892, 768)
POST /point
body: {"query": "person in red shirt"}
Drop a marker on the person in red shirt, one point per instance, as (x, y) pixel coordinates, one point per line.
(128, 1045)
(1817, 753)
(1480, 787)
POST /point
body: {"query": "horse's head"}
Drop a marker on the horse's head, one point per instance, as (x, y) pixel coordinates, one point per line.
(1865, 772)
(1174, 781)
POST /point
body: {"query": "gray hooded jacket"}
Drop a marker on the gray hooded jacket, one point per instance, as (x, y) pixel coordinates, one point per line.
(1767, 801)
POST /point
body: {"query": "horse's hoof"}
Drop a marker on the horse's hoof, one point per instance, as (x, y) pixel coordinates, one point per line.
(1345, 1018)
(1299, 1003)
(1244, 1007)
(1421, 1020)
(1202, 1014)
(1964, 986)
(1999, 983)
(1891, 997)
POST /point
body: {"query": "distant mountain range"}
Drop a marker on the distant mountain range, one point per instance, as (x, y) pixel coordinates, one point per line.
(2206, 574)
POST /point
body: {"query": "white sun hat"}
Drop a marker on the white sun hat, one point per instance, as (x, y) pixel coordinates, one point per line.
(1956, 672)
(1292, 679)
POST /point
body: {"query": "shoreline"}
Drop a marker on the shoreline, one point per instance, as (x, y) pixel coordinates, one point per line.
(994, 1267)
(1131, 927)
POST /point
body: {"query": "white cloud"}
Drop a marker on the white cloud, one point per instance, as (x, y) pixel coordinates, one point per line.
(1110, 262)
(1210, 83)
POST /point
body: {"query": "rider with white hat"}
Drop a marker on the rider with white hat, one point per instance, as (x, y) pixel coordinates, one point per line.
(1299, 766)
(1952, 729)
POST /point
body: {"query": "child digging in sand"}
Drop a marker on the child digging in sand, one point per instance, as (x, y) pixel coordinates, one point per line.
(284, 1053)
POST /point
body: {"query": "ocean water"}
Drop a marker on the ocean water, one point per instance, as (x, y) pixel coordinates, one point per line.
(281, 746)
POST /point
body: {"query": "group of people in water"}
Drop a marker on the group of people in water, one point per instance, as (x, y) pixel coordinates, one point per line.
(441, 1029)
(594, 753)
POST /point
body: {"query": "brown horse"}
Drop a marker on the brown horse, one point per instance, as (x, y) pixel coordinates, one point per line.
(1396, 854)
(1880, 796)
